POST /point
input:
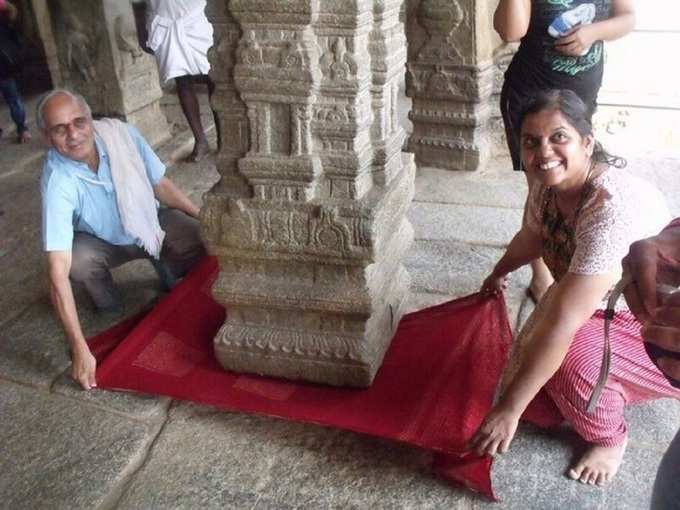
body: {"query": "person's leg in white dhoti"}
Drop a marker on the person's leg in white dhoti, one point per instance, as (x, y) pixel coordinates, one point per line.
(186, 92)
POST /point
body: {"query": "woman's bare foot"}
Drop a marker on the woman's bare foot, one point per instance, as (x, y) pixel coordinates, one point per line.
(541, 280)
(599, 464)
(201, 149)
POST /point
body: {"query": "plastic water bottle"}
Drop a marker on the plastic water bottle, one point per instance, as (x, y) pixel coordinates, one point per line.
(584, 14)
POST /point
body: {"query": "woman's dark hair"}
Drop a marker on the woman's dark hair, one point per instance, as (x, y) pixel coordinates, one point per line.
(576, 112)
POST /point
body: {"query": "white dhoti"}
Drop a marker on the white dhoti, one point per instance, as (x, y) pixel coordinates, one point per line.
(180, 36)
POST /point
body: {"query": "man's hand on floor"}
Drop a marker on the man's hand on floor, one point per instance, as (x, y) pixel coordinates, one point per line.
(83, 369)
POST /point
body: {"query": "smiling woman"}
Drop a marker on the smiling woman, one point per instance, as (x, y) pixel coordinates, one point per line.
(557, 143)
(581, 216)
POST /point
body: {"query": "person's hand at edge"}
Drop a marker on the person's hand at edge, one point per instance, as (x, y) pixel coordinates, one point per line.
(664, 331)
(495, 433)
(493, 284)
(576, 42)
(83, 369)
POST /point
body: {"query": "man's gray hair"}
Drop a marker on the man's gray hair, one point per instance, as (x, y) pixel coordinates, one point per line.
(39, 117)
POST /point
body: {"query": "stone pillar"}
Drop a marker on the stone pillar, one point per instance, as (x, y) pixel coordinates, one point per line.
(44, 27)
(502, 56)
(232, 119)
(309, 225)
(100, 58)
(450, 80)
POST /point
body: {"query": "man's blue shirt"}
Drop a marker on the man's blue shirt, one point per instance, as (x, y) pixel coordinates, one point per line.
(74, 198)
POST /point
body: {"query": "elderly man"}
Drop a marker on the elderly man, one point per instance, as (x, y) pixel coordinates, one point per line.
(652, 260)
(99, 189)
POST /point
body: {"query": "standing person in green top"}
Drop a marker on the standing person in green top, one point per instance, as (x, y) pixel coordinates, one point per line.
(561, 48)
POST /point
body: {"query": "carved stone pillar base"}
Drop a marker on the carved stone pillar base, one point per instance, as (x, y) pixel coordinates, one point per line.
(328, 312)
(450, 130)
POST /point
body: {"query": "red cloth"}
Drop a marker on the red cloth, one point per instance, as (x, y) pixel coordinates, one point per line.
(434, 388)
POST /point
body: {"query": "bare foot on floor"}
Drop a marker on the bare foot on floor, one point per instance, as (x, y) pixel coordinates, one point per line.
(541, 280)
(537, 288)
(24, 136)
(201, 149)
(598, 465)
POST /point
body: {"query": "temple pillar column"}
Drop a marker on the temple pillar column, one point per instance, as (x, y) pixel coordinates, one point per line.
(308, 222)
(100, 58)
(450, 80)
(502, 56)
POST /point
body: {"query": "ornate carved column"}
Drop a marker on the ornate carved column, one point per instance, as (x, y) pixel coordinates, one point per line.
(231, 111)
(100, 58)
(502, 56)
(450, 80)
(309, 226)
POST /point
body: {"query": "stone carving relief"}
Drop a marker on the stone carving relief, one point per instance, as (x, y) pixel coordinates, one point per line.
(337, 64)
(436, 82)
(501, 60)
(250, 51)
(222, 52)
(331, 235)
(320, 230)
(445, 143)
(129, 50)
(336, 114)
(440, 18)
(293, 56)
(301, 118)
(335, 347)
(80, 49)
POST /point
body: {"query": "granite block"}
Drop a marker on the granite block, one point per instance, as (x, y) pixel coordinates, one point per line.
(286, 464)
(506, 189)
(466, 223)
(59, 454)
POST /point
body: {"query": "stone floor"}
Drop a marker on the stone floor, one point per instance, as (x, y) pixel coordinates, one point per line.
(62, 448)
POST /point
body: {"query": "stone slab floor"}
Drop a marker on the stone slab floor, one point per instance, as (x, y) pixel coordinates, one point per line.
(61, 448)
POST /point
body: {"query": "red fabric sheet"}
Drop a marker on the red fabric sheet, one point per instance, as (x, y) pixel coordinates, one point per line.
(435, 386)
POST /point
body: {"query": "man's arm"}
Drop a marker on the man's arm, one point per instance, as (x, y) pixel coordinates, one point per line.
(649, 260)
(171, 196)
(61, 294)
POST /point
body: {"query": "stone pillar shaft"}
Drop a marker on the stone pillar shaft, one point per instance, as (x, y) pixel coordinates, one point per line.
(450, 80)
(311, 236)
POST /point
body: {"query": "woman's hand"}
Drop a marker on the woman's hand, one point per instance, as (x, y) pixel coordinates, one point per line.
(577, 42)
(493, 284)
(495, 433)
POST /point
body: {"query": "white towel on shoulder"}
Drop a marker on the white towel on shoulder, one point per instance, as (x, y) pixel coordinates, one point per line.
(134, 193)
